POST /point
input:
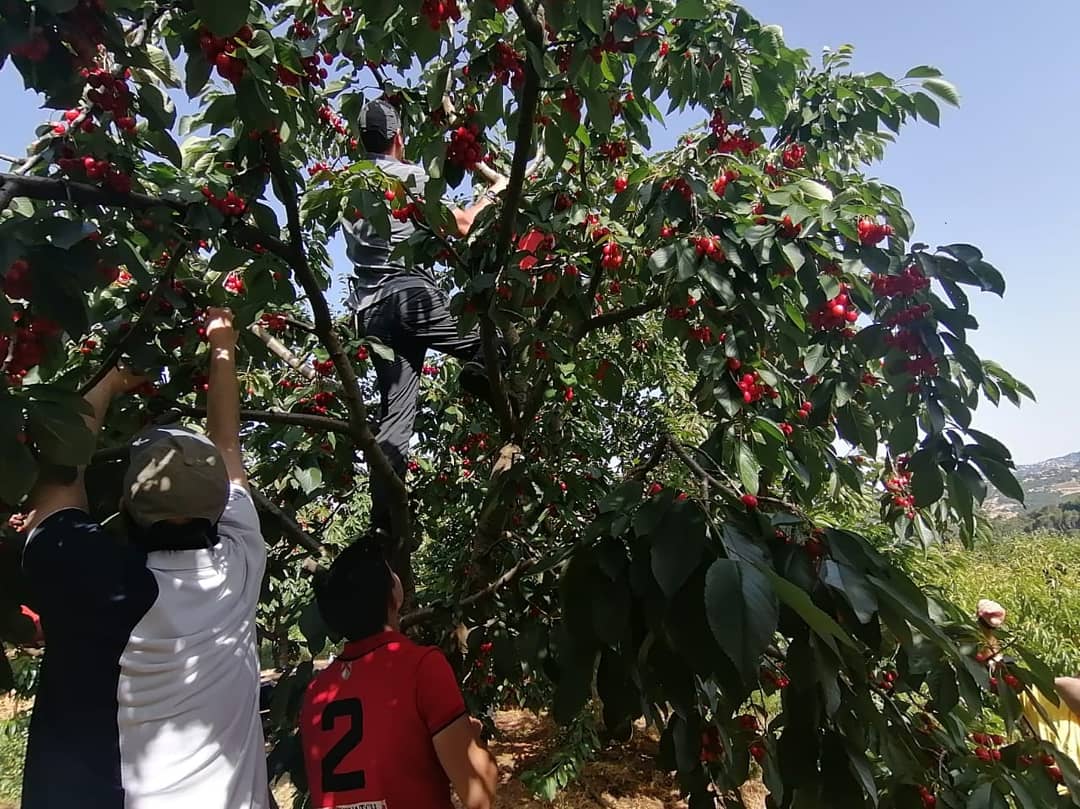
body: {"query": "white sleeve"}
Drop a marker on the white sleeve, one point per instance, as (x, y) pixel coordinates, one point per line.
(240, 523)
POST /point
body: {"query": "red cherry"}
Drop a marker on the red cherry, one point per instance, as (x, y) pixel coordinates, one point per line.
(750, 501)
(389, 195)
(620, 184)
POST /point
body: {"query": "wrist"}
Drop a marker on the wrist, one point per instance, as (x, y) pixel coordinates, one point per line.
(222, 338)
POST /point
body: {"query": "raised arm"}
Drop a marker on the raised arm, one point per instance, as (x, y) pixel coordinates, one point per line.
(60, 488)
(223, 399)
(464, 218)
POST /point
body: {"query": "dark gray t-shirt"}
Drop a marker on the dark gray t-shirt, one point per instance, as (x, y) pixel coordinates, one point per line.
(375, 273)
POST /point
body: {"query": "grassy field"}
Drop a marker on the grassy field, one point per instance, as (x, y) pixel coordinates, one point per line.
(13, 721)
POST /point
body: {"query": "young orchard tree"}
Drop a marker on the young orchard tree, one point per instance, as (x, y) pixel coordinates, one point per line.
(708, 346)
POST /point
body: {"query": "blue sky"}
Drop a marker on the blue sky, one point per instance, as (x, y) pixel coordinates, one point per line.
(998, 174)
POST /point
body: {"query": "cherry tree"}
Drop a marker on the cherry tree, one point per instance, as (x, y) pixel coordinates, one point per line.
(712, 349)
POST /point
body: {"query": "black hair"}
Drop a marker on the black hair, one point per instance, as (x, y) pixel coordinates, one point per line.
(353, 596)
(376, 142)
(192, 535)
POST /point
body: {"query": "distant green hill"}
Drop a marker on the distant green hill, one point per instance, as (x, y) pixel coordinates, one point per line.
(1047, 483)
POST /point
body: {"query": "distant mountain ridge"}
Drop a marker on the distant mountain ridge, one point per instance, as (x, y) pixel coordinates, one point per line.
(1046, 483)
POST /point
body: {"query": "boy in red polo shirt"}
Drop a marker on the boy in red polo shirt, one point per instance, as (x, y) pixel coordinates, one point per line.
(385, 725)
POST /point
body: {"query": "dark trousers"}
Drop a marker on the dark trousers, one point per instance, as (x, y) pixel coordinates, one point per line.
(410, 321)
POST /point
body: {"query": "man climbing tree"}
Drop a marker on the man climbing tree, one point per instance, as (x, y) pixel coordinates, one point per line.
(400, 305)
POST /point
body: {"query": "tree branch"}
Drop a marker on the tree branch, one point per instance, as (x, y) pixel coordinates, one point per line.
(620, 315)
(307, 420)
(282, 352)
(427, 613)
(698, 469)
(289, 527)
(141, 322)
(655, 456)
(378, 464)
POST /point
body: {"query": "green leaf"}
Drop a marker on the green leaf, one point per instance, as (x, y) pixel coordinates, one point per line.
(923, 72)
(1002, 478)
(196, 73)
(990, 444)
(944, 689)
(677, 544)
(313, 627)
(223, 17)
(944, 90)
(163, 66)
(903, 435)
(815, 359)
(793, 254)
(162, 143)
(799, 601)
(691, 10)
(927, 108)
(60, 434)
(622, 497)
(815, 190)
(742, 611)
(308, 479)
(927, 482)
(749, 468)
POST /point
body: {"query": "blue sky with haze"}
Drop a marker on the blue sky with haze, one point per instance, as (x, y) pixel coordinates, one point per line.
(1000, 172)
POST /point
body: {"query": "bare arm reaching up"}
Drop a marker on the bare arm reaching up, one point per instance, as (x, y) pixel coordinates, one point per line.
(223, 400)
(54, 491)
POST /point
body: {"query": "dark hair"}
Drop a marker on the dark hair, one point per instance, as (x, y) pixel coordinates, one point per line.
(192, 535)
(353, 596)
(375, 142)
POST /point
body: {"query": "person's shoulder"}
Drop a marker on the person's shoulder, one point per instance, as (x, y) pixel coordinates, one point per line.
(404, 171)
(56, 530)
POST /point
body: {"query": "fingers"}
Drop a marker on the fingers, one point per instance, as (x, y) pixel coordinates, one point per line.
(219, 323)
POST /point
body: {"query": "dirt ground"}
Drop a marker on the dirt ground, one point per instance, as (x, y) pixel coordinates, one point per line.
(620, 778)
(624, 778)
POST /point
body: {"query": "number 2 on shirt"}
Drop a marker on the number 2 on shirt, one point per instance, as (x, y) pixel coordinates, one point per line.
(343, 781)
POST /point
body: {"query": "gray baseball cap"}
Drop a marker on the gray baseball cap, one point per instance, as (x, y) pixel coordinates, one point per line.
(380, 117)
(174, 474)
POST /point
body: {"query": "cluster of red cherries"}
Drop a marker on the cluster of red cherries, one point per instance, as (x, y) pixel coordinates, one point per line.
(232, 204)
(720, 184)
(910, 281)
(836, 313)
(611, 256)
(219, 52)
(507, 66)
(439, 11)
(754, 389)
(465, 147)
(872, 233)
